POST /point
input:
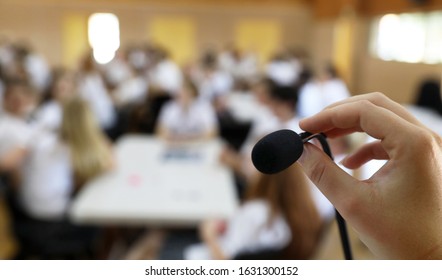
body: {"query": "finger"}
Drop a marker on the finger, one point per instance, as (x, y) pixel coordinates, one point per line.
(379, 99)
(338, 186)
(363, 115)
(364, 154)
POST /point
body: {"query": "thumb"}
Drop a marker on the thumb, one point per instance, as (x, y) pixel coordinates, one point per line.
(338, 186)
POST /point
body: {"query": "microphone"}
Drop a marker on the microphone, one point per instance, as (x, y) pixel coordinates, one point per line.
(278, 150)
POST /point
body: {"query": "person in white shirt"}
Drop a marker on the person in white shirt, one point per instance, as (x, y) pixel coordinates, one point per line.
(132, 90)
(186, 118)
(283, 71)
(58, 165)
(278, 113)
(278, 218)
(93, 89)
(15, 132)
(242, 66)
(165, 75)
(49, 115)
(213, 83)
(117, 70)
(317, 94)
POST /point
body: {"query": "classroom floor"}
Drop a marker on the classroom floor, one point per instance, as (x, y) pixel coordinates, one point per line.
(330, 248)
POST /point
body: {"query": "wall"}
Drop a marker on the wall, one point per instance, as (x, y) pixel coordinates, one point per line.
(41, 22)
(396, 79)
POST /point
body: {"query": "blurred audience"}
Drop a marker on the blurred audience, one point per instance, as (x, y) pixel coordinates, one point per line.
(55, 126)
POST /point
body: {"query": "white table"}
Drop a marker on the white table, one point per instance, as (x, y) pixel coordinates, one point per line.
(156, 185)
(244, 106)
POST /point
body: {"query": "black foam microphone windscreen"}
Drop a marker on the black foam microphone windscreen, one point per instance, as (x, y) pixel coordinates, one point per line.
(277, 151)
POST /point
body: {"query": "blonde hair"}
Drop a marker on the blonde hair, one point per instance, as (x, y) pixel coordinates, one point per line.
(90, 154)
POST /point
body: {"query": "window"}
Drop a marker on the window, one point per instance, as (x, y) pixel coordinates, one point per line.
(104, 36)
(412, 38)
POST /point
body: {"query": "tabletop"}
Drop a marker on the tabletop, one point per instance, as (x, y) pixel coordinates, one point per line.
(156, 183)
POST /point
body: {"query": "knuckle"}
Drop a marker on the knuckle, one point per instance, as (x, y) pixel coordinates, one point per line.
(377, 96)
(424, 138)
(424, 142)
(318, 171)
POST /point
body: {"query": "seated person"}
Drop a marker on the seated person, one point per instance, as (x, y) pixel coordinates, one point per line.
(53, 169)
(15, 132)
(277, 112)
(58, 165)
(186, 118)
(62, 89)
(278, 215)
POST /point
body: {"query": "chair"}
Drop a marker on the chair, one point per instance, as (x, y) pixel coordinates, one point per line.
(48, 239)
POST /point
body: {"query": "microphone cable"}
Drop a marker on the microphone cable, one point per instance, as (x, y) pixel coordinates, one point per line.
(306, 136)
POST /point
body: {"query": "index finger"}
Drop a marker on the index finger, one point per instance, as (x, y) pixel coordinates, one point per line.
(362, 115)
(380, 100)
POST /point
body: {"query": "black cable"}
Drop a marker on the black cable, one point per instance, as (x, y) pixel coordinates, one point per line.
(341, 222)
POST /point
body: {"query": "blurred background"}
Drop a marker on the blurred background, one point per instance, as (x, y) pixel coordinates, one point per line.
(80, 78)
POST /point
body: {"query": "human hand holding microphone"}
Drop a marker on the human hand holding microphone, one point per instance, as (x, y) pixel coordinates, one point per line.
(398, 211)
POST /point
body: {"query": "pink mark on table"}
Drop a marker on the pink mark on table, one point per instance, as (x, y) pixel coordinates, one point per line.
(135, 180)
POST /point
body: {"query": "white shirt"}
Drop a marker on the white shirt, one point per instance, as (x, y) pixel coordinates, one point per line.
(316, 95)
(131, 91)
(217, 84)
(38, 70)
(14, 133)
(247, 232)
(117, 71)
(47, 181)
(49, 116)
(198, 119)
(284, 73)
(93, 90)
(167, 76)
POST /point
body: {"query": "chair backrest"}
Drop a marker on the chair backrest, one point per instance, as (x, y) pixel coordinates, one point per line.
(266, 254)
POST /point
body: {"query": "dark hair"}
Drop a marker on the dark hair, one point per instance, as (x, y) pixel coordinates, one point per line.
(331, 70)
(429, 95)
(287, 193)
(288, 94)
(209, 60)
(17, 82)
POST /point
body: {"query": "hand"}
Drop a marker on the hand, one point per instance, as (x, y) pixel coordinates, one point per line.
(398, 211)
